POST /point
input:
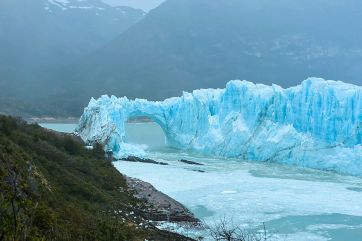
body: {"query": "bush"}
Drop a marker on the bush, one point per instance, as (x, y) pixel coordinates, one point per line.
(7, 125)
(98, 151)
(72, 146)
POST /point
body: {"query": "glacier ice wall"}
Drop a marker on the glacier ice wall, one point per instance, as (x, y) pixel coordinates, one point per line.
(317, 124)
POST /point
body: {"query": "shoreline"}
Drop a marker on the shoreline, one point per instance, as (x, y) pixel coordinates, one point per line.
(74, 120)
(52, 120)
(159, 206)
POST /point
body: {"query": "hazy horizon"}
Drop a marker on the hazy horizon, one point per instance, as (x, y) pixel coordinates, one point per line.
(182, 45)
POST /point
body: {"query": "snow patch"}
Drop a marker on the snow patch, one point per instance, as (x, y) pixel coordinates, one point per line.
(65, 4)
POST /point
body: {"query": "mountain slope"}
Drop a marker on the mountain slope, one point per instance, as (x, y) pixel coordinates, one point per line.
(52, 188)
(39, 36)
(188, 44)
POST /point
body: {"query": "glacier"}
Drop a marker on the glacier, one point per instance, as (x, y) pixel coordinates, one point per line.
(317, 124)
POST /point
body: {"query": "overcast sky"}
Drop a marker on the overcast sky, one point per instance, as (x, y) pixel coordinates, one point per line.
(143, 4)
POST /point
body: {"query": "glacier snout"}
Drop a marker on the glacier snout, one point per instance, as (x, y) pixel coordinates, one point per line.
(317, 124)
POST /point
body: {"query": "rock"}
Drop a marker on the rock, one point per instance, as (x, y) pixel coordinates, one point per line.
(199, 171)
(159, 206)
(144, 160)
(191, 162)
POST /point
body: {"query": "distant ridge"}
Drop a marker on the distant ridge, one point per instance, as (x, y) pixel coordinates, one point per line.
(191, 44)
(38, 37)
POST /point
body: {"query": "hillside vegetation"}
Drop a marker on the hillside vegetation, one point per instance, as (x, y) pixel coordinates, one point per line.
(52, 188)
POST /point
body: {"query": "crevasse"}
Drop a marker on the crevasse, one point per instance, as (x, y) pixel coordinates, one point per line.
(317, 124)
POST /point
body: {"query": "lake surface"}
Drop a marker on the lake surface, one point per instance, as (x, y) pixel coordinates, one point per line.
(295, 204)
(66, 128)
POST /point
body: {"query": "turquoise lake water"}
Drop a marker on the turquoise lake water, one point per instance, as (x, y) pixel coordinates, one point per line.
(66, 128)
(295, 204)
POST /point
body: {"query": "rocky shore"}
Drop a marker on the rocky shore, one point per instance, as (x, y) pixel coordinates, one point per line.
(159, 206)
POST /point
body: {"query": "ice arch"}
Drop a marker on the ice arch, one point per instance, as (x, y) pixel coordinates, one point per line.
(317, 124)
(145, 133)
(107, 117)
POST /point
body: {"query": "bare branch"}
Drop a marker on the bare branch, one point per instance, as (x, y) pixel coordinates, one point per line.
(226, 230)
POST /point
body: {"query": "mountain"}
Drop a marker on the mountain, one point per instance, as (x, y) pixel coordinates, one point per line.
(39, 36)
(189, 44)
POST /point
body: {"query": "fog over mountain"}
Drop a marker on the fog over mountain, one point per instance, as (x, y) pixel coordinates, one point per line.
(188, 44)
(39, 36)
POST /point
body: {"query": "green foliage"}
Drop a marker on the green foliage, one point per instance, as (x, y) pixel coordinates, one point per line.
(7, 125)
(98, 150)
(52, 188)
(72, 146)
